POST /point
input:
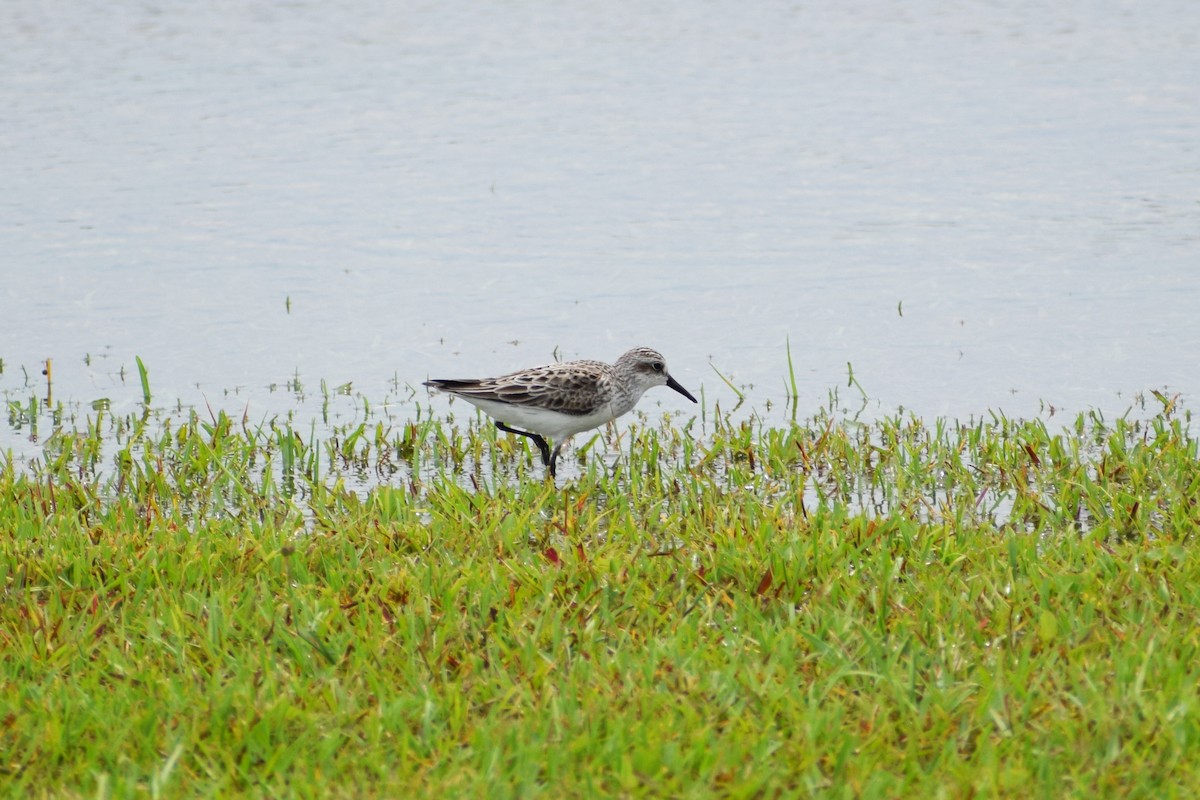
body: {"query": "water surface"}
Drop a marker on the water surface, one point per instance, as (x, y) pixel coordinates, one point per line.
(978, 207)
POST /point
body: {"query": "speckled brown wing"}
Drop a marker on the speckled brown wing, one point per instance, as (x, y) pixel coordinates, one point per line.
(556, 387)
(566, 388)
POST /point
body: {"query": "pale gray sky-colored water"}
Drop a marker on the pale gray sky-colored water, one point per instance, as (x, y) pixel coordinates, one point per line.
(978, 206)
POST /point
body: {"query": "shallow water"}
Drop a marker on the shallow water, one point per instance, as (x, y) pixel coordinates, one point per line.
(975, 207)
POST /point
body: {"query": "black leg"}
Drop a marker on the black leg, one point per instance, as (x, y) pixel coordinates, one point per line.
(543, 448)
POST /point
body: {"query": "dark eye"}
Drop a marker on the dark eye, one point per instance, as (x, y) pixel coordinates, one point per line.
(657, 366)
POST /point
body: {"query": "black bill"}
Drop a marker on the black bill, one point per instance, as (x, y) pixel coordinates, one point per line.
(674, 384)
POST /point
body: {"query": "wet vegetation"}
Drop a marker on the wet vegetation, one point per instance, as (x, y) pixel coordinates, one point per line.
(196, 603)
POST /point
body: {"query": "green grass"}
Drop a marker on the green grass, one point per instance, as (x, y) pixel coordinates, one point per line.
(203, 606)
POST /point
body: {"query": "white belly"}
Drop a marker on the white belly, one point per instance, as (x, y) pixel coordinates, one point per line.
(553, 424)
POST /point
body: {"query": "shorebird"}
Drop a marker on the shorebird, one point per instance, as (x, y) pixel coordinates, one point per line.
(561, 400)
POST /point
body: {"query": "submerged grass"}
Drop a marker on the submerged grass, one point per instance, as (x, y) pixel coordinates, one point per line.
(203, 606)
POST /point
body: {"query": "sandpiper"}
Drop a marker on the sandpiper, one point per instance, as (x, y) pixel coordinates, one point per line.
(561, 400)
